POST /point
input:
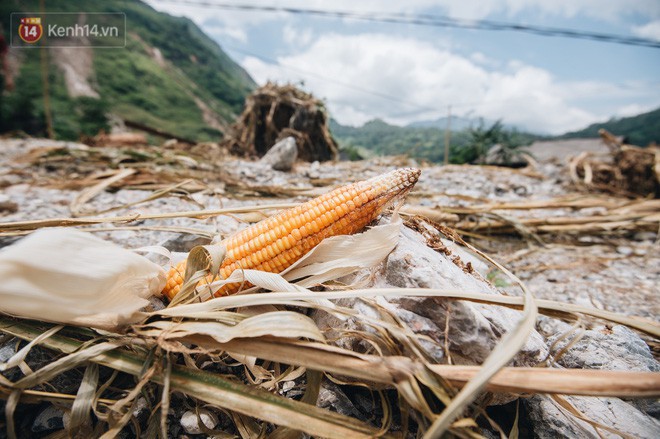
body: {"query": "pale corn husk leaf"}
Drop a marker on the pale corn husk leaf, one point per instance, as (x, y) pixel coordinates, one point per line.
(10, 406)
(205, 386)
(86, 221)
(70, 361)
(201, 261)
(19, 356)
(507, 348)
(72, 277)
(77, 206)
(514, 433)
(80, 423)
(317, 356)
(308, 298)
(568, 407)
(333, 258)
(341, 255)
(286, 324)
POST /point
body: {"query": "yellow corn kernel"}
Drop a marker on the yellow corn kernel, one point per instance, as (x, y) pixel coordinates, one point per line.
(275, 243)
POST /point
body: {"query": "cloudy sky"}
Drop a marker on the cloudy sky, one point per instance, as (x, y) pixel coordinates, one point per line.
(403, 73)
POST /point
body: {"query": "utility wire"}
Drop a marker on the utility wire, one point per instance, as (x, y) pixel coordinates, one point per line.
(353, 86)
(328, 79)
(434, 21)
(472, 106)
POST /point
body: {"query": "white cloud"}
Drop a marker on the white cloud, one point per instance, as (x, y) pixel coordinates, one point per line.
(295, 36)
(234, 32)
(484, 60)
(632, 110)
(610, 10)
(421, 80)
(215, 21)
(650, 30)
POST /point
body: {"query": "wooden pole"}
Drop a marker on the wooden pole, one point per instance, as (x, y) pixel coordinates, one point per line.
(44, 84)
(447, 135)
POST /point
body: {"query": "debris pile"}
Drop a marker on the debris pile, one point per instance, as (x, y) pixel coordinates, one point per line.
(385, 348)
(116, 139)
(273, 113)
(628, 170)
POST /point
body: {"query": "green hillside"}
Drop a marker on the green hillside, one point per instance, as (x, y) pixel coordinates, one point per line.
(426, 143)
(193, 89)
(642, 129)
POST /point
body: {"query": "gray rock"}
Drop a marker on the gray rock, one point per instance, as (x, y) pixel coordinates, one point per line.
(618, 348)
(282, 155)
(314, 170)
(624, 250)
(7, 205)
(615, 349)
(7, 350)
(479, 265)
(474, 329)
(185, 242)
(50, 418)
(645, 236)
(141, 410)
(494, 157)
(190, 422)
(332, 397)
(548, 420)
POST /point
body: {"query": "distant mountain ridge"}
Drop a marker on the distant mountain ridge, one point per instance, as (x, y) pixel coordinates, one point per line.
(458, 123)
(423, 142)
(425, 139)
(641, 130)
(170, 76)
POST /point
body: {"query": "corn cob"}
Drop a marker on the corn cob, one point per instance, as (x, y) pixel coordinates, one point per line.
(275, 243)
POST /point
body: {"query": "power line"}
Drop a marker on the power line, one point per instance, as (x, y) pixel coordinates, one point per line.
(328, 79)
(434, 20)
(357, 88)
(470, 105)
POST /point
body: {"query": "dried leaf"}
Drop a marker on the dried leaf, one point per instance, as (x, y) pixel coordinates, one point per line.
(286, 324)
(72, 277)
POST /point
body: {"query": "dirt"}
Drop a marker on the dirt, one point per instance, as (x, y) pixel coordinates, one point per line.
(618, 272)
(559, 150)
(77, 64)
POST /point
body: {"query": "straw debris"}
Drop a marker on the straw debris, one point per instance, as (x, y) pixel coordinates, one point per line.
(628, 170)
(402, 300)
(275, 112)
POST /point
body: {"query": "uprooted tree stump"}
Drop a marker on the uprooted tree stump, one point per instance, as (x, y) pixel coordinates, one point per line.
(628, 170)
(275, 112)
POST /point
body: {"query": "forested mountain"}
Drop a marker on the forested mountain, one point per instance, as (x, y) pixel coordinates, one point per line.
(170, 76)
(641, 130)
(428, 143)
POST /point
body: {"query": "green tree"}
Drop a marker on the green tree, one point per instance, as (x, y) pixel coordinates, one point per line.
(510, 148)
(493, 144)
(481, 140)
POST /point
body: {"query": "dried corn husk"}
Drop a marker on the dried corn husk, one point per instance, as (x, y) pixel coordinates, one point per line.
(72, 277)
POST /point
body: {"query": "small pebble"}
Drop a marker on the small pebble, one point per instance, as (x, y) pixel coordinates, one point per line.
(190, 423)
(645, 236)
(624, 250)
(50, 418)
(640, 251)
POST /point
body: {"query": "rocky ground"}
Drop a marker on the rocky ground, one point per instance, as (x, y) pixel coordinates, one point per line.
(616, 272)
